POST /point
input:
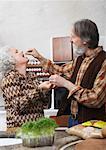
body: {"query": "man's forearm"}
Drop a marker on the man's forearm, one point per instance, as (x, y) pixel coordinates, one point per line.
(41, 59)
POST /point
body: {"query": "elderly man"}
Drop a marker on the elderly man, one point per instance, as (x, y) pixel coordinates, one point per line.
(84, 78)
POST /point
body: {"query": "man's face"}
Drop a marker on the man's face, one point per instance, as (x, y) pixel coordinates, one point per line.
(78, 44)
(76, 39)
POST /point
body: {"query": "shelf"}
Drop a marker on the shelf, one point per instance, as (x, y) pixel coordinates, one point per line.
(34, 66)
(37, 72)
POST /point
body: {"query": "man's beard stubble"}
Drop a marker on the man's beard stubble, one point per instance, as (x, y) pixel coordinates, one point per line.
(78, 51)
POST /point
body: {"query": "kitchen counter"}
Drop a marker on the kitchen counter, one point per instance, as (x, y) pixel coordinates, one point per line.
(61, 138)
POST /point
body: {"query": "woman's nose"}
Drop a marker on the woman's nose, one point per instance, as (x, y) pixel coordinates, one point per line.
(21, 52)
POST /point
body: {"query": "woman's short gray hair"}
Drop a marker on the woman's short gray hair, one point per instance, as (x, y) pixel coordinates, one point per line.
(7, 62)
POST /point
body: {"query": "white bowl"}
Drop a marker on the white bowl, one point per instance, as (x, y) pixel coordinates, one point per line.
(50, 112)
(36, 142)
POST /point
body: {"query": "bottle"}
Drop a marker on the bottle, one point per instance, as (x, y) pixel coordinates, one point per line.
(72, 121)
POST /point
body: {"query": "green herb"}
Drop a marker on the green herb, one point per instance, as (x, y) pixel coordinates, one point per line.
(41, 127)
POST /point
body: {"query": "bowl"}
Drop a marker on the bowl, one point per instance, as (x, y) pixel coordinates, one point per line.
(38, 141)
(50, 112)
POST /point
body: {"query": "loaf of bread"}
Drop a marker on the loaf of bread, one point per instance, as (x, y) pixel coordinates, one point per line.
(104, 132)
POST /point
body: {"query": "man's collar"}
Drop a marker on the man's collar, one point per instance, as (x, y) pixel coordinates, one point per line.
(94, 52)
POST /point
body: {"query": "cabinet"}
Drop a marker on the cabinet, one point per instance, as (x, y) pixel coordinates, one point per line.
(37, 71)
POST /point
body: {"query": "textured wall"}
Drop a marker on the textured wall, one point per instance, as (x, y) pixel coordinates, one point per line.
(27, 24)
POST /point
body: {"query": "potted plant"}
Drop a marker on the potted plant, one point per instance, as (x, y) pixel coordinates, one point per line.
(37, 133)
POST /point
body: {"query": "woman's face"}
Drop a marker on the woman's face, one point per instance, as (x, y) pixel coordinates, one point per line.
(18, 56)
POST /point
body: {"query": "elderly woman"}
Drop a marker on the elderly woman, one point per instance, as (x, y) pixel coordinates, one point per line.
(24, 97)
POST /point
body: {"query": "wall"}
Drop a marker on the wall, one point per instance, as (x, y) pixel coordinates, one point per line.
(31, 23)
(26, 24)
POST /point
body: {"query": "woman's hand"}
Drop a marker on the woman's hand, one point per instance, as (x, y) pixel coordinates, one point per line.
(33, 52)
(45, 85)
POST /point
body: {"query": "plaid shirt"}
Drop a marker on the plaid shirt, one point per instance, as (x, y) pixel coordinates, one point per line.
(93, 98)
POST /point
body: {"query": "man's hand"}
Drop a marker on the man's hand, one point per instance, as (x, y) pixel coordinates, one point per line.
(33, 52)
(57, 80)
(61, 82)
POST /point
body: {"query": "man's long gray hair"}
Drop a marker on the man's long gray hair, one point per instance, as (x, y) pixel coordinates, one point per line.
(7, 62)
